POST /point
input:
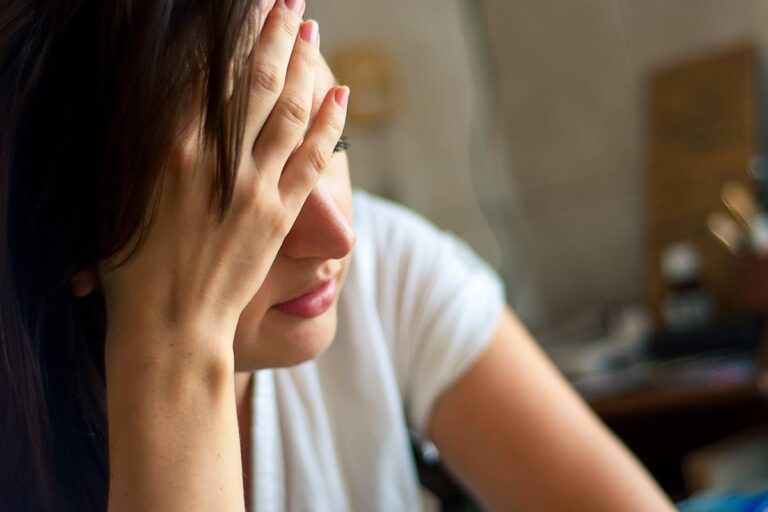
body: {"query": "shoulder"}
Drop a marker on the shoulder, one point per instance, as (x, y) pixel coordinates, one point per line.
(400, 241)
(381, 219)
(436, 300)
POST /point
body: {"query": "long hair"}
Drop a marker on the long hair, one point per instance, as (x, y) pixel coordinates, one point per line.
(91, 97)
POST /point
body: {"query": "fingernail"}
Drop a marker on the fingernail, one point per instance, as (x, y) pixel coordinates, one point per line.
(309, 31)
(341, 96)
(293, 5)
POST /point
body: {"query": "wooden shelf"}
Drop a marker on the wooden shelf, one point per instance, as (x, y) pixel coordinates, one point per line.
(674, 398)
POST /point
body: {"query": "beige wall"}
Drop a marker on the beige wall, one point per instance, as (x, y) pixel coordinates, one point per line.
(443, 153)
(572, 80)
(422, 158)
(564, 167)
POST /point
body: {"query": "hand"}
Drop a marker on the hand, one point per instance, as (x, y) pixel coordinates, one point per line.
(195, 273)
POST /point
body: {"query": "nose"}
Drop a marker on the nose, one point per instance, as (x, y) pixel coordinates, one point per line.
(321, 230)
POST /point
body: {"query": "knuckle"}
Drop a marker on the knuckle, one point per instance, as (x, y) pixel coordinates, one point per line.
(336, 126)
(318, 157)
(279, 223)
(267, 78)
(255, 200)
(307, 57)
(286, 26)
(295, 110)
(273, 219)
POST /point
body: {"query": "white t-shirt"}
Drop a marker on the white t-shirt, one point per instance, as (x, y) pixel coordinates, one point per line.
(416, 310)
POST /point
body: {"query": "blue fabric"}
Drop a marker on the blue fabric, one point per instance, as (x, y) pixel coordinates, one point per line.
(726, 503)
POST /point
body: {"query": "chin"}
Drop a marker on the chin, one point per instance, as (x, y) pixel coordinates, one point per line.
(284, 341)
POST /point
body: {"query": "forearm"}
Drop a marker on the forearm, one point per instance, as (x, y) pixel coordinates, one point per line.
(522, 439)
(173, 435)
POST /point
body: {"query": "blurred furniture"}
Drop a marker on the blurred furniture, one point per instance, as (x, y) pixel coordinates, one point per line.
(736, 464)
(703, 133)
(673, 415)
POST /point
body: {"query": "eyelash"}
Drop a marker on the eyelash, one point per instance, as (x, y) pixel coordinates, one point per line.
(342, 145)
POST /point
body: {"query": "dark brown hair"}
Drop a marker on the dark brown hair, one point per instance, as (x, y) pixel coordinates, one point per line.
(91, 97)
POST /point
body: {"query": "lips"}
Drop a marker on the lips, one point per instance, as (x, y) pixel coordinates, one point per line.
(312, 302)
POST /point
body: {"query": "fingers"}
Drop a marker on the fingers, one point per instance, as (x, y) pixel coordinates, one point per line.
(311, 158)
(265, 6)
(273, 52)
(288, 121)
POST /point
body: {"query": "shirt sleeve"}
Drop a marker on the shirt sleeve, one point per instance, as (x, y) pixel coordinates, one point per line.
(443, 301)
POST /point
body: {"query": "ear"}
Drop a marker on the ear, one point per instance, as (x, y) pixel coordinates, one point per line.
(82, 283)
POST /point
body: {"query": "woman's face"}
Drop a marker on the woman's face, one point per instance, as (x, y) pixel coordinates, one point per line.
(292, 318)
(284, 324)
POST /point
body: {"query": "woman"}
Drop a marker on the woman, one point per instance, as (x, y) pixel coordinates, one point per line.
(177, 224)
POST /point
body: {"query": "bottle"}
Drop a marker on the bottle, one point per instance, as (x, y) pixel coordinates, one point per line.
(687, 302)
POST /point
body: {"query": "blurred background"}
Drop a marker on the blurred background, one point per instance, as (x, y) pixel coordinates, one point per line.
(605, 157)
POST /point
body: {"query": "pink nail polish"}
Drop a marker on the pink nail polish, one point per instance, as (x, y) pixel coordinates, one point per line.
(308, 31)
(341, 96)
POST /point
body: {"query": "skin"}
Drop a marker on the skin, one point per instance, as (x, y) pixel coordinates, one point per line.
(319, 244)
(511, 428)
(509, 464)
(516, 433)
(174, 308)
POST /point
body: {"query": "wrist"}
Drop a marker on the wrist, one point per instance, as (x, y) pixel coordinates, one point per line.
(150, 351)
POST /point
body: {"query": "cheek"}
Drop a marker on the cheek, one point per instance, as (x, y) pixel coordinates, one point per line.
(251, 346)
(253, 314)
(262, 340)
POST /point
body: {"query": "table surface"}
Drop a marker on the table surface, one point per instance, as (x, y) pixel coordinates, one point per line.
(731, 381)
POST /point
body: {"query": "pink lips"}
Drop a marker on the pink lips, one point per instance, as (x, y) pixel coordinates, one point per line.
(311, 304)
